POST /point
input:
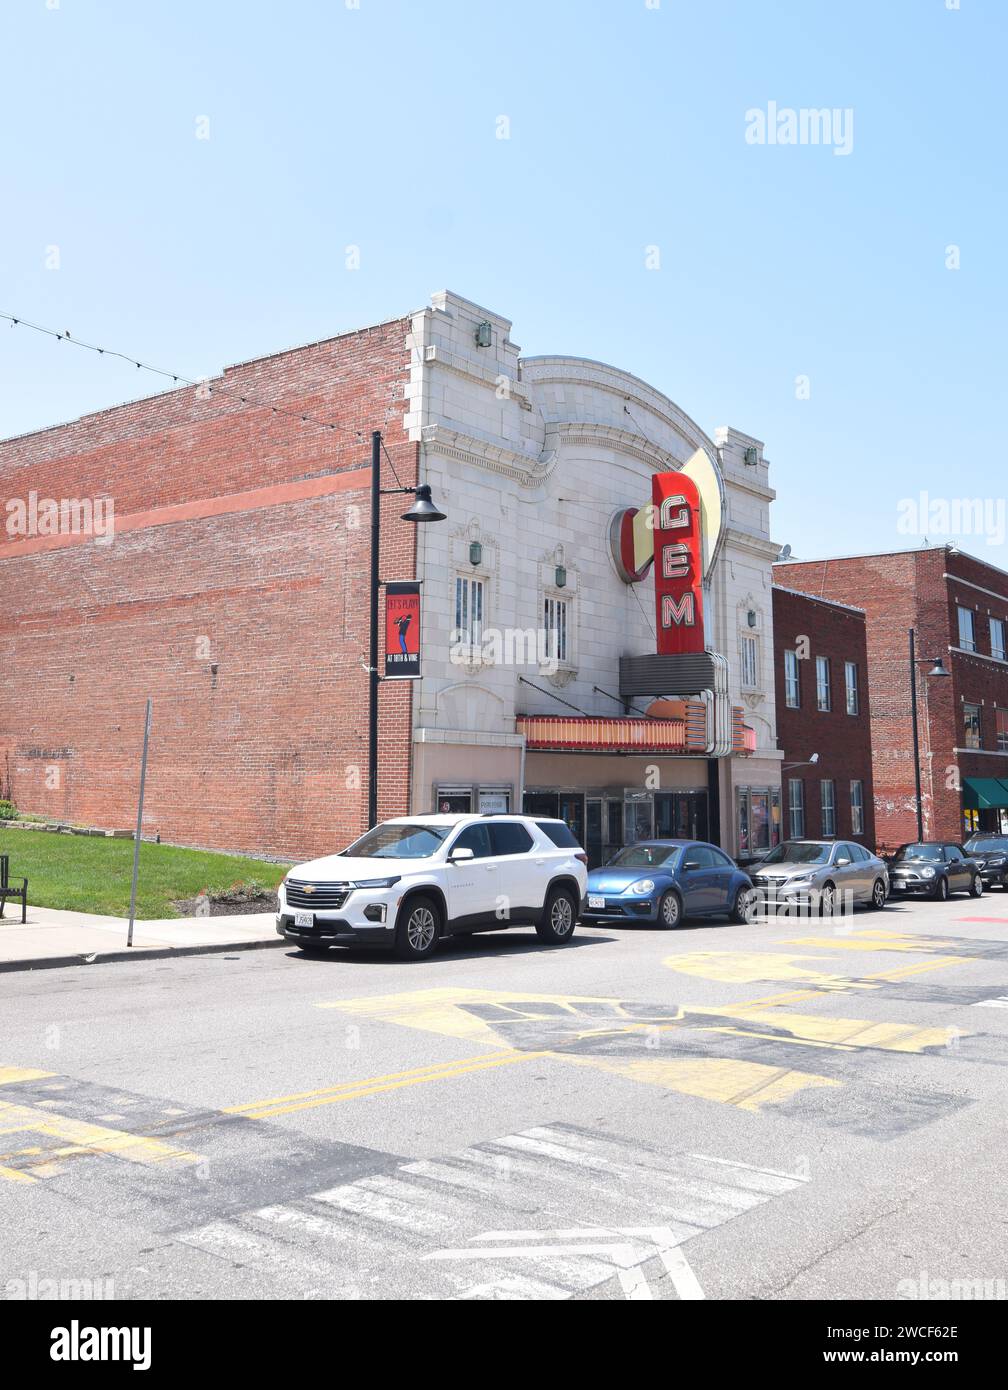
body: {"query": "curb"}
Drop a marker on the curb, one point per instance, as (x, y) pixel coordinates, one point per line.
(137, 953)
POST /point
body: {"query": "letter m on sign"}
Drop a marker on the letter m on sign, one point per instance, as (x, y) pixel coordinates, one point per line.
(678, 573)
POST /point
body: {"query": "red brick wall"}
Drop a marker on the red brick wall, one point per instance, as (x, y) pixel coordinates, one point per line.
(843, 741)
(241, 544)
(899, 592)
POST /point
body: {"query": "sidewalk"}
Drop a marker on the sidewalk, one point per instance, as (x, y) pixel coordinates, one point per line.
(53, 938)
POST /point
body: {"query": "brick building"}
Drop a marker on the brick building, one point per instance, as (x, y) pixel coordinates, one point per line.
(235, 593)
(958, 606)
(823, 709)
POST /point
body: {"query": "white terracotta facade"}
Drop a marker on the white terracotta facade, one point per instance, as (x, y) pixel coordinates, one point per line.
(531, 458)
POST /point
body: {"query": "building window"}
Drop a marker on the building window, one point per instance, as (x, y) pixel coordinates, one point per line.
(796, 808)
(469, 611)
(555, 625)
(850, 683)
(749, 667)
(1001, 716)
(857, 807)
(971, 723)
(997, 638)
(792, 687)
(822, 683)
(827, 803)
(967, 637)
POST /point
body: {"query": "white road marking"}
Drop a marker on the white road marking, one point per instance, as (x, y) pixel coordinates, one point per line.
(449, 1202)
(1001, 1002)
(627, 1260)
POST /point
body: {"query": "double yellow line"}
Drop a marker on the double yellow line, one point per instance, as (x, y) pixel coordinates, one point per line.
(376, 1085)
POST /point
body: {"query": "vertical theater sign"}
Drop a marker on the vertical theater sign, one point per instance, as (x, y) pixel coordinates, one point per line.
(678, 534)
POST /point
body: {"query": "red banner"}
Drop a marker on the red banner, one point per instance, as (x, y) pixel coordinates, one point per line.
(402, 630)
(678, 568)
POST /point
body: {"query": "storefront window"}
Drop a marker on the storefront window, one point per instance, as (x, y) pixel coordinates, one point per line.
(758, 818)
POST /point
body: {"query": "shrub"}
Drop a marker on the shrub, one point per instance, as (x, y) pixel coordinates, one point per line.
(240, 892)
(8, 811)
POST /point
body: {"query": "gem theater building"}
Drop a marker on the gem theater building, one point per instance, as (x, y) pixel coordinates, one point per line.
(596, 610)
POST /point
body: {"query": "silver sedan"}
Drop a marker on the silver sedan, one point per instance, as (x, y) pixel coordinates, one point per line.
(831, 875)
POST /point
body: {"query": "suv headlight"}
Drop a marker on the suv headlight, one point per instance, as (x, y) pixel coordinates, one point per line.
(376, 882)
(642, 886)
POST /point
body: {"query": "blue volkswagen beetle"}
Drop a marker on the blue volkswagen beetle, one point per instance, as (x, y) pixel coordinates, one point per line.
(663, 881)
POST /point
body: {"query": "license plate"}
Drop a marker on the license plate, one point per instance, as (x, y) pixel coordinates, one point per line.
(304, 919)
(595, 901)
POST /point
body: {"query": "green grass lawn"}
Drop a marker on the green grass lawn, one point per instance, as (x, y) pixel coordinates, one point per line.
(91, 874)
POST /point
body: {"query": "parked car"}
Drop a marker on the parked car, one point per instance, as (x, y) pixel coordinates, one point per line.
(822, 873)
(410, 882)
(990, 852)
(935, 868)
(664, 881)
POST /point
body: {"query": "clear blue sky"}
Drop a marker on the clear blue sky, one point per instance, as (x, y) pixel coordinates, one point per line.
(377, 126)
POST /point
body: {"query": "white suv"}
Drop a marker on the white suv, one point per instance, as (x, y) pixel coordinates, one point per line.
(409, 882)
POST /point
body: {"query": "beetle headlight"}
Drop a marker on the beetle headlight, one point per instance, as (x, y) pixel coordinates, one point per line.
(642, 886)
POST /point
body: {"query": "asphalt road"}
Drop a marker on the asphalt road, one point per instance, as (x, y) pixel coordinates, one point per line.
(784, 1110)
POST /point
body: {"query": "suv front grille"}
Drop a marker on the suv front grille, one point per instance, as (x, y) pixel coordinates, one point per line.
(321, 898)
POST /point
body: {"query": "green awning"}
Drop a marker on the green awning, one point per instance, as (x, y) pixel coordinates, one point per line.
(985, 793)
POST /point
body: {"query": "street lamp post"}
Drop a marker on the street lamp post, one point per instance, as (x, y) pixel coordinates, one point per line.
(423, 509)
(937, 669)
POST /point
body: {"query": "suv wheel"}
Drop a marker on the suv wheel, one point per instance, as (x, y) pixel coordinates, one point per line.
(976, 887)
(418, 929)
(878, 895)
(559, 916)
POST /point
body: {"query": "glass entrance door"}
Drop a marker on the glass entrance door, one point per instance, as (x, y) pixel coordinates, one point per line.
(593, 831)
(638, 817)
(572, 810)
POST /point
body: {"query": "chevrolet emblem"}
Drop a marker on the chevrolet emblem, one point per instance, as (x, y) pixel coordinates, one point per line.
(309, 888)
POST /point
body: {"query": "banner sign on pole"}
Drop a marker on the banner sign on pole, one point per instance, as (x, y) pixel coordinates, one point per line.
(402, 630)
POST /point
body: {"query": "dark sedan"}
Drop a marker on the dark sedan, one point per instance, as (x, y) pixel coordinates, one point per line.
(661, 882)
(990, 852)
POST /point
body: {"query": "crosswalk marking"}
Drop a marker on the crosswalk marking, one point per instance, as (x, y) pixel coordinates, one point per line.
(481, 1223)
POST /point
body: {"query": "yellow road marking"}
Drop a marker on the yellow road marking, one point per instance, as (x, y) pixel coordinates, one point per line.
(899, 972)
(443, 1010)
(81, 1138)
(11, 1074)
(376, 1085)
(745, 1085)
(873, 941)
